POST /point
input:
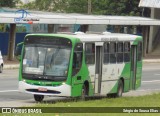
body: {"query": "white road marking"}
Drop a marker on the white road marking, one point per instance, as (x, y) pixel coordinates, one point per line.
(157, 74)
(148, 90)
(152, 81)
(7, 91)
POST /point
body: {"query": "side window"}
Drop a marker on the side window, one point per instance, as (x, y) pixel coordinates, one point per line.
(112, 50)
(126, 51)
(90, 53)
(120, 52)
(106, 53)
(77, 58)
(139, 51)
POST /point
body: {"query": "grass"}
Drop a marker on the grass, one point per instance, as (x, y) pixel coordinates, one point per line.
(140, 101)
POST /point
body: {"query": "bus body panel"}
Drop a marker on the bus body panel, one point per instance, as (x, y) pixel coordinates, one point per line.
(82, 76)
(126, 75)
(110, 77)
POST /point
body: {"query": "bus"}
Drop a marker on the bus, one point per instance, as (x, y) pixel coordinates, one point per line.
(79, 64)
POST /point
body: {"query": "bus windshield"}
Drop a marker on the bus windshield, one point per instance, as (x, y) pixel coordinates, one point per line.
(46, 60)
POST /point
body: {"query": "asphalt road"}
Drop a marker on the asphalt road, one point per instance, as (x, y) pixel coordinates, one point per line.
(9, 95)
(151, 77)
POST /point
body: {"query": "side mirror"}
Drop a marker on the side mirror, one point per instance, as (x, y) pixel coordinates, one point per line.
(18, 50)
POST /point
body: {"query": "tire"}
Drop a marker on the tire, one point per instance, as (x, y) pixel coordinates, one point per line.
(111, 95)
(120, 89)
(38, 98)
(1, 68)
(84, 92)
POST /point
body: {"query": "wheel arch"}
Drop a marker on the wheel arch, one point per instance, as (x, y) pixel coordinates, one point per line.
(122, 79)
(86, 83)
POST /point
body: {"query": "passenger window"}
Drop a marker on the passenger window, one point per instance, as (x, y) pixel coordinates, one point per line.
(127, 52)
(139, 51)
(112, 50)
(77, 58)
(90, 53)
(106, 53)
(120, 52)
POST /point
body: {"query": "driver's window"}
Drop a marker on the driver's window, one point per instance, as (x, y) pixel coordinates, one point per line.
(77, 58)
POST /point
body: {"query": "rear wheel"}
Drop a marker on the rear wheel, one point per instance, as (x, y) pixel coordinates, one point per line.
(111, 95)
(38, 98)
(1, 68)
(84, 92)
(120, 89)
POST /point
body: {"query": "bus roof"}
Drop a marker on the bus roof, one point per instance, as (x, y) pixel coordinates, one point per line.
(106, 37)
(92, 37)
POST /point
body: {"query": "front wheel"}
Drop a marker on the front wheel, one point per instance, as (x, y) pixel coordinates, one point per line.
(120, 89)
(38, 98)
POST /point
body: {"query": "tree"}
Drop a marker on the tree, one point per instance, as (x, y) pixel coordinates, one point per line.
(118, 7)
(106, 7)
(77, 6)
(8, 3)
(101, 7)
(47, 5)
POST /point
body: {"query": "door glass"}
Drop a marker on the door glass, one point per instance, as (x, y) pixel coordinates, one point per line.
(90, 53)
(77, 58)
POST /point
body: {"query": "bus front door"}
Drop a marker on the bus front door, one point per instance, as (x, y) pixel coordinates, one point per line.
(98, 70)
(133, 67)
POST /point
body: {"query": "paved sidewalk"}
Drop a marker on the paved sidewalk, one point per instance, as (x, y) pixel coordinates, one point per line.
(10, 64)
(15, 64)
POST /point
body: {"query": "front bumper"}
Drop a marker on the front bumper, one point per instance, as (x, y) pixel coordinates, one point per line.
(62, 90)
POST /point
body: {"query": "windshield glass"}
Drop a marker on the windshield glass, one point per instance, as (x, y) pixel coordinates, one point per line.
(50, 61)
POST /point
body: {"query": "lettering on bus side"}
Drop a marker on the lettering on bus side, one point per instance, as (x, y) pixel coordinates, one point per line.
(109, 39)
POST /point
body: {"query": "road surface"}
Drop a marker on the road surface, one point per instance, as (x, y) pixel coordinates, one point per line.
(9, 95)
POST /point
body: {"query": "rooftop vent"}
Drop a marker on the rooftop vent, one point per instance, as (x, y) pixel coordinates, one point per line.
(79, 33)
(70, 33)
(106, 32)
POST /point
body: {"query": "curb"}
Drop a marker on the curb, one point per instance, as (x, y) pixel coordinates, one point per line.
(12, 66)
(151, 61)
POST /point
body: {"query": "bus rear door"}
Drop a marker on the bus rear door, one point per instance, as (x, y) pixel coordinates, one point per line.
(133, 67)
(98, 68)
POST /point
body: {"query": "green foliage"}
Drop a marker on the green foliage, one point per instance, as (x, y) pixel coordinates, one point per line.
(116, 7)
(8, 3)
(30, 5)
(47, 5)
(104, 7)
(77, 6)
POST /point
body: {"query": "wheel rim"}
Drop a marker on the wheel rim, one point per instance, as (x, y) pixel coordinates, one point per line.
(83, 92)
(120, 91)
(38, 98)
(120, 88)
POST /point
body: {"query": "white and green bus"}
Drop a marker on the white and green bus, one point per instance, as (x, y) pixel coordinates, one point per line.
(80, 64)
